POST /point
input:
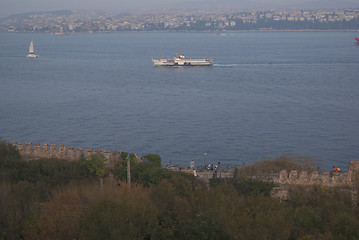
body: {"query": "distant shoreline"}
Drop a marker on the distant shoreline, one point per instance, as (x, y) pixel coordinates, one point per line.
(196, 31)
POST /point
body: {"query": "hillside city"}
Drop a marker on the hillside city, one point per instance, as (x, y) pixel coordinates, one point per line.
(61, 22)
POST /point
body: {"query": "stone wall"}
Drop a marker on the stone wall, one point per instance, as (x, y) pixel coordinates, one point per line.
(329, 179)
(322, 178)
(36, 151)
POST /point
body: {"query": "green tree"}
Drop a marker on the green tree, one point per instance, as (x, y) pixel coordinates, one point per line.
(177, 199)
(245, 186)
(345, 226)
(306, 222)
(109, 219)
(248, 187)
(206, 227)
(154, 159)
(8, 153)
(148, 172)
(95, 165)
(124, 156)
(9, 160)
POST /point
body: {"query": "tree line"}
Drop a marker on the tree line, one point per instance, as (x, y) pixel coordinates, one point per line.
(57, 199)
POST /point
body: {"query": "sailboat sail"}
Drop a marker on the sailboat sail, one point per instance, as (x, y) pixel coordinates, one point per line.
(32, 51)
(31, 48)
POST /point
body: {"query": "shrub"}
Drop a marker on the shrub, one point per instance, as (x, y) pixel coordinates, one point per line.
(110, 219)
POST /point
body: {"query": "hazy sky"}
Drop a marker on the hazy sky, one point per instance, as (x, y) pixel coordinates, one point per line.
(9, 7)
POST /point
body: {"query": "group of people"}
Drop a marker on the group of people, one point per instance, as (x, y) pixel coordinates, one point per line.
(213, 168)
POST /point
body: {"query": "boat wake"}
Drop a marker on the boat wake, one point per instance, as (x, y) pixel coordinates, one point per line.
(295, 64)
(226, 65)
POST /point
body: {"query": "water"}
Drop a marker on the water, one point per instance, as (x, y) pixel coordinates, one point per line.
(268, 94)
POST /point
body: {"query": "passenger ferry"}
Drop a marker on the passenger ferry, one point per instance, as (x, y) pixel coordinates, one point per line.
(180, 60)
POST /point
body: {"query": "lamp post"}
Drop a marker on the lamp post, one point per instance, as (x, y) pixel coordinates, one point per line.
(128, 172)
(204, 159)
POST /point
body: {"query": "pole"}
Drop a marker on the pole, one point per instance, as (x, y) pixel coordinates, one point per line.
(204, 159)
(128, 173)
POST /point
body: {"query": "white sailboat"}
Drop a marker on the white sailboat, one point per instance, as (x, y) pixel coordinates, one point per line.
(31, 51)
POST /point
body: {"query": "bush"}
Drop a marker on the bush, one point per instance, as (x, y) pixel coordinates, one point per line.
(95, 165)
(109, 219)
(245, 186)
(206, 227)
(9, 159)
(52, 172)
(154, 159)
(147, 173)
(250, 187)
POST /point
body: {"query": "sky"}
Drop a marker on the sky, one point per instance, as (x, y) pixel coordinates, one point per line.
(10, 7)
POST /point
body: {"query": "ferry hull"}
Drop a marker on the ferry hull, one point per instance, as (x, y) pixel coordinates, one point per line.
(195, 62)
(183, 62)
(163, 62)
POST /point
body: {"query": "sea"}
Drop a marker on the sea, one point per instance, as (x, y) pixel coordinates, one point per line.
(268, 94)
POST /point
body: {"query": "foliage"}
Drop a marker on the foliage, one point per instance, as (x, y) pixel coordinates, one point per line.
(249, 187)
(133, 159)
(155, 159)
(109, 219)
(9, 159)
(148, 176)
(319, 211)
(356, 183)
(144, 173)
(216, 182)
(51, 172)
(205, 227)
(123, 159)
(147, 173)
(306, 222)
(25, 184)
(8, 153)
(55, 199)
(123, 156)
(177, 200)
(95, 165)
(121, 172)
(116, 212)
(245, 186)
